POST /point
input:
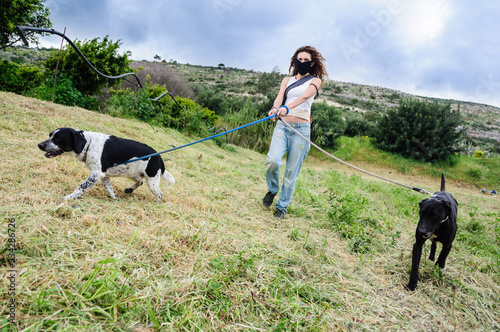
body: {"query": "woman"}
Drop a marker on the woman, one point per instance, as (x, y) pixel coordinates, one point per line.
(309, 65)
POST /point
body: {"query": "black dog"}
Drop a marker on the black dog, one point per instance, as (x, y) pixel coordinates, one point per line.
(438, 222)
(102, 153)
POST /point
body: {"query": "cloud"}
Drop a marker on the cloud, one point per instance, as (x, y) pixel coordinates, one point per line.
(440, 48)
(422, 23)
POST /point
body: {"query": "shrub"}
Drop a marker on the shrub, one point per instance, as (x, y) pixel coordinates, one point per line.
(120, 103)
(18, 79)
(214, 100)
(478, 154)
(65, 93)
(269, 83)
(192, 117)
(420, 130)
(356, 126)
(327, 124)
(371, 116)
(101, 53)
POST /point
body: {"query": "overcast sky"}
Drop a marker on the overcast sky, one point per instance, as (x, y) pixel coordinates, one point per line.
(436, 48)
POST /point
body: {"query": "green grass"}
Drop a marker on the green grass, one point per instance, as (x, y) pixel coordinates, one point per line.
(480, 172)
(211, 258)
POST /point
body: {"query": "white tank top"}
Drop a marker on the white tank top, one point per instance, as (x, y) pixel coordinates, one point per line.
(298, 91)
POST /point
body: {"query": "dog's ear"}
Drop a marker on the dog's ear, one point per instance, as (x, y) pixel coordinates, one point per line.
(79, 141)
(422, 202)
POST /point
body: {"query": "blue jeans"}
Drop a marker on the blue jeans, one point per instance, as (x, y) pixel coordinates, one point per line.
(296, 148)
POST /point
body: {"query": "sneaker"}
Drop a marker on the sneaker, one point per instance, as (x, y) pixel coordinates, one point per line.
(279, 214)
(268, 199)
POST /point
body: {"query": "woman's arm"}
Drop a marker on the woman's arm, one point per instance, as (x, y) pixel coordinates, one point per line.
(279, 97)
(311, 91)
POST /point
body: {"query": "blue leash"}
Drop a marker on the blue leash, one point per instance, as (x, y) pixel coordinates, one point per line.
(422, 191)
(199, 141)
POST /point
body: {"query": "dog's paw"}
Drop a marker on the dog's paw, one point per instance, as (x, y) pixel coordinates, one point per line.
(410, 288)
(128, 190)
(71, 196)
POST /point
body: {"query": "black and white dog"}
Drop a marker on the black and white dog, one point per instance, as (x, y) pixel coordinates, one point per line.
(438, 222)
(101, 152)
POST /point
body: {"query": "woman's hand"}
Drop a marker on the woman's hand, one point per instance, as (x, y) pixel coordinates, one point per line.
(282, 111)
(273, 111)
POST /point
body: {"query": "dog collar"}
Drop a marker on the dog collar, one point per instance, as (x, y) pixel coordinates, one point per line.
(82, 156)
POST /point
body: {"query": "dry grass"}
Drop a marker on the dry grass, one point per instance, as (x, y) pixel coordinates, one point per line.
(210, 257)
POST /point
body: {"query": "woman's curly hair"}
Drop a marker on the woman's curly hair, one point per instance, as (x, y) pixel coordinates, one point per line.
(318, 69)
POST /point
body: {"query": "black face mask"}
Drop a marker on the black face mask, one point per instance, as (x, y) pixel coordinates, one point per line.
(303, 67)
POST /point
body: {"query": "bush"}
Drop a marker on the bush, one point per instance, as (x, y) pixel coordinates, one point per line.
(192, 118)
(269, 83)
(101, 53)
(420, 130)
(356, 126)
(18, 79)
(478, 154)
(327, 124)
(65, 93)
(213, 100)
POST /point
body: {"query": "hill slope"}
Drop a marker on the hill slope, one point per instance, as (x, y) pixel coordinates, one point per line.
(480, 120)
(211, 257)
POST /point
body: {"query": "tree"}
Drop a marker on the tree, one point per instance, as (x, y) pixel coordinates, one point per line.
(21, 12)
(104, 57)
(420, 130)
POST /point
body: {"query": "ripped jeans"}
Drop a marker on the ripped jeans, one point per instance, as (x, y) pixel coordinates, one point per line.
(296, 148)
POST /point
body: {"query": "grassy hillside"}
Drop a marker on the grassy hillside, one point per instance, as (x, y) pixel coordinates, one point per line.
(481, 121)
(210, 257)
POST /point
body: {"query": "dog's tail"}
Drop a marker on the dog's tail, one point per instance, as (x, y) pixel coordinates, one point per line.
(442, 182)
(169, 179)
